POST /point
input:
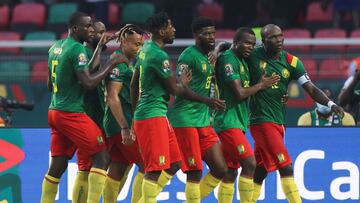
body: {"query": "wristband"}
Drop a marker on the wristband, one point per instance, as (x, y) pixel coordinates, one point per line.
(330, 104)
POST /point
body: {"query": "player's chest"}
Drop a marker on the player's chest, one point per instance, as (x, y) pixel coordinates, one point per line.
(275, 67)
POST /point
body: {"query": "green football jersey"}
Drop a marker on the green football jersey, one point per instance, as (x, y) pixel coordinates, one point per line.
(122, 73)
(229, 68)
(154, 67)
(266, 105)
(94, 99)
(186, 113)
(65, 58)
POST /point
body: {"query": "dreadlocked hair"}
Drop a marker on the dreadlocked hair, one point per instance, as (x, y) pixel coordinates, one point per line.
(128, 29)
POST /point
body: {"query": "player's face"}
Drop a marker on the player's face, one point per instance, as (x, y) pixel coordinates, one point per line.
(245, 46)
(274, 40)
(206, 38)
(85, 30)
(169, 33)
(99, 29)
(132, 45)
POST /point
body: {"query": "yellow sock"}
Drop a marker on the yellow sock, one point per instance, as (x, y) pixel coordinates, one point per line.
(290, 189)
(80, 190)
(149, 190)
(256, 192)
(112, 190)
(97, 178)
(136, 187)
(226, 192)
(207, 185)
(163, 179)
(192, 192)
(49, 189)
(246, 189)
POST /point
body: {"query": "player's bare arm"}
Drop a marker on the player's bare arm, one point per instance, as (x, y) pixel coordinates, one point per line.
(90, 81)
(345, 94)
(242, 93)
(320, 97)
(134, 89)
(114, 102)
(188, 94)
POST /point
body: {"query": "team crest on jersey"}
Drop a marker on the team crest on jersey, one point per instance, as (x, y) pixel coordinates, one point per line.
(57, 50)
(100, 139)
(191, 161)
(82, 59)
(182, 67)
(263, 64)
(166, 66)
(229, 69)
(161, 160)
(281, 158)
(241, 149)
(204, 67)
(285, 73)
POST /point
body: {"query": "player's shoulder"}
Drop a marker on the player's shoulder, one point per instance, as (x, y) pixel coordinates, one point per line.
(189, 54)
(227, 57)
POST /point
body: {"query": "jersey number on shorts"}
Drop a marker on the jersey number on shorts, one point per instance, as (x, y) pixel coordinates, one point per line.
(54, 63)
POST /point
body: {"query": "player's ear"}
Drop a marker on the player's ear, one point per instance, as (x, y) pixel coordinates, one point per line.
(74, 28)
(162, 32)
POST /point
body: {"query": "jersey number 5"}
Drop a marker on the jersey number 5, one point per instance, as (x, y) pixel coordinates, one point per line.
(54, 63)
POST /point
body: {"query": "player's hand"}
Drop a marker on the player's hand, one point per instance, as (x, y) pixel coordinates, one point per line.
(338, 110)
(185, 77)
(269, 81)
(215, 103)
(106, 37)
(126, 136)
(132, 133)
(285, 98)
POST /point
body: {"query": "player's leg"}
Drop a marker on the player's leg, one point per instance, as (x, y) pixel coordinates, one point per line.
(214, 158)
(237, 152)
(288, 184)
(189, 143)
(62, 149)
(80, 189)
(137, 183)
(153, 138)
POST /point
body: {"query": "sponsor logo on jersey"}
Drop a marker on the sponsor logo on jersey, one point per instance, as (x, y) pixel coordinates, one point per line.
(82, 59)
(166, 66)
(285, 73)
(161, 160)
(281, 157)
(241, 149)
(229, 69)
(191, 161)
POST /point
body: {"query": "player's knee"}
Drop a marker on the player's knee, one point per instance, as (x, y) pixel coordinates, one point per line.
(220, 171)
(58, 166)
(194, 176)
(231, 175)
(248, 166)
(286, 171)
(174, 167)
(101, 160)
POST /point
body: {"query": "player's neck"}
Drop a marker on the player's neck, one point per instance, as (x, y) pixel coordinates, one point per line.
(76, 38)
(202, 49)
(158, 41)
(272, 54)
(125, 54)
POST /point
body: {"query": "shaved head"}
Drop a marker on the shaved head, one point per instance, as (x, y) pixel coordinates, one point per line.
(269, 28)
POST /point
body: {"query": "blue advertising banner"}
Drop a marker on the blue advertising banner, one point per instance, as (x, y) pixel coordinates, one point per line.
(326, 163)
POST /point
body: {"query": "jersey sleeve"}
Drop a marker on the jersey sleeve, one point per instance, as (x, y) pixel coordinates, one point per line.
(161, 65)
(230, 69)
(79, 58)
(118, 73)
(297, 68)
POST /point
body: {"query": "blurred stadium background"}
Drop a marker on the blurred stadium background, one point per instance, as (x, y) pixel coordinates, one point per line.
(28, 28)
